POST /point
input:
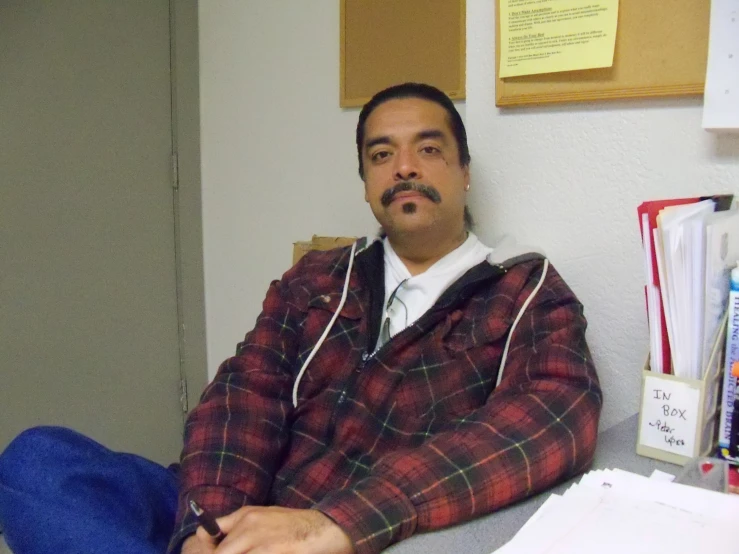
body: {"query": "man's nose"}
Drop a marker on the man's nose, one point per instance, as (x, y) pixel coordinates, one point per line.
(406, 166)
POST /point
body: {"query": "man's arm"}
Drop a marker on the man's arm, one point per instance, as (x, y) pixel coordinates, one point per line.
(236, 435)
(536, 429)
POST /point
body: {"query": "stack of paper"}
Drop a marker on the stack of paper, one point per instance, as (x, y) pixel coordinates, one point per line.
(616, 512)
(689, 250)
(680, 242)
(659, 345)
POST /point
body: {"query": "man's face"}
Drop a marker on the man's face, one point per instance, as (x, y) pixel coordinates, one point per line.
(409, 144)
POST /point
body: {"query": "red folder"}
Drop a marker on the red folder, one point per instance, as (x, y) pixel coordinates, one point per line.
(652, 209)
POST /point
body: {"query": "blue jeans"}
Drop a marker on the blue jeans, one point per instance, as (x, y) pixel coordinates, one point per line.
(61, 492)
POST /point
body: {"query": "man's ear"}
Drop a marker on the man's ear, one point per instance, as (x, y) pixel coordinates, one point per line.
(366, 195)
(466, 173)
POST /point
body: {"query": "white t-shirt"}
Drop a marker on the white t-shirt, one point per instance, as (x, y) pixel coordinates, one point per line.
(414, 295)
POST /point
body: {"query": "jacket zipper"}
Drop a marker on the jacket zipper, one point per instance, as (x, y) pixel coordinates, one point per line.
(366, 357)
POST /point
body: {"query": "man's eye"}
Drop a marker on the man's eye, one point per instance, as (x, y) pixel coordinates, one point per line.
(379, 156)
(430, 150)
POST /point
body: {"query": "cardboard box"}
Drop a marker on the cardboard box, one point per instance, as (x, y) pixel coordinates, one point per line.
(319, 243)
(678, 417)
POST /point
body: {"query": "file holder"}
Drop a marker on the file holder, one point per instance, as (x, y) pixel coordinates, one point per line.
(678, 417)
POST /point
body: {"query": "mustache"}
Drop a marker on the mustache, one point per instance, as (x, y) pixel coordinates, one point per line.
(428, 191)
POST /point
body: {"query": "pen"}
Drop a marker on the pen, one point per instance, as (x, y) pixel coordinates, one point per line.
(208, 522)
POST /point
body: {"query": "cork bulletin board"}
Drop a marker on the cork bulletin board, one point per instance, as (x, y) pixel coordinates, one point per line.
(661, 50)
(387, 42)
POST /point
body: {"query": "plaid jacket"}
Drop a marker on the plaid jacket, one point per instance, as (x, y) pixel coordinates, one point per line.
(411, 438)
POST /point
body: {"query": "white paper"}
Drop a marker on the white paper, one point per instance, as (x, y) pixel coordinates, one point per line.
(677, 495)
(617, 512)
(609, 523)
(662, 273)
(662, 476)
(549, 503)
(654, 307)
(669, 415)
(681, 249)
(721, 98)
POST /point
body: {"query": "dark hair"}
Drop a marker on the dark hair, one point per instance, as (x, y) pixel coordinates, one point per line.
(415, 90)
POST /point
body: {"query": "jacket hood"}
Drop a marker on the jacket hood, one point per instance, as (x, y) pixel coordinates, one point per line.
(506, 252)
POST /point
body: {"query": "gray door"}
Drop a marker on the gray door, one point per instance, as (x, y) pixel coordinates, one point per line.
(88, 303)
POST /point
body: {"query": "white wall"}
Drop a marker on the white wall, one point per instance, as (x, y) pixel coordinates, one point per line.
(569, 178)
(279, 164)
(279, 161)
(278, 155)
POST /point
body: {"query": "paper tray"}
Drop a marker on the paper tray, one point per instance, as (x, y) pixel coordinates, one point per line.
(678, 417)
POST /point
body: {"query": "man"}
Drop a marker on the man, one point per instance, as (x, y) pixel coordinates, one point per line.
(397, 386)
(399, 427)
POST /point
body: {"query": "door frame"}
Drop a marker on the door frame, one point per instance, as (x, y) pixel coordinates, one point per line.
(187, 205)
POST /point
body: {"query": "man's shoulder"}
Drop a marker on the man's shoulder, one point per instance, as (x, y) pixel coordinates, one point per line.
(323, 271)
(314, 260)
(320, 264)
(533, 271)
(318, 280)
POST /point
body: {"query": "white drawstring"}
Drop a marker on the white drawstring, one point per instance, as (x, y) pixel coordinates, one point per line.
(343, 301)
(518, 318)
(328, 328)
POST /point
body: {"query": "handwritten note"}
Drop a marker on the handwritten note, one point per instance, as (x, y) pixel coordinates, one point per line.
(669, 415)
(548, 36)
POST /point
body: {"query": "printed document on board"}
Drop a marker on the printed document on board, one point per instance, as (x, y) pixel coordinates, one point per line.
(548, 36)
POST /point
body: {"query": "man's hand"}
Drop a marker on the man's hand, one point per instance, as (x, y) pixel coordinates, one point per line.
(257, 530)
(194, 545)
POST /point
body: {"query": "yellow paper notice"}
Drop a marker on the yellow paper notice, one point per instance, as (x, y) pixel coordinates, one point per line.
(547, 36)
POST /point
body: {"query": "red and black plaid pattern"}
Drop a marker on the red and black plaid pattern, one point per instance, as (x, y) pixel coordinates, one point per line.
(413, 438)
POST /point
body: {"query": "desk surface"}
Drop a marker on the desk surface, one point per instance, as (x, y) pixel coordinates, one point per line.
(616, 449)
